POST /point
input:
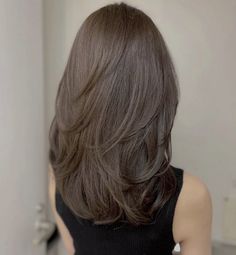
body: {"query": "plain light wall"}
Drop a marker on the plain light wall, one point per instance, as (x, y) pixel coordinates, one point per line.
(23, 173)
(201, 38)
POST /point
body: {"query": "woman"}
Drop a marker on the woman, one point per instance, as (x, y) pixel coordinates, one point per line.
(112, 187)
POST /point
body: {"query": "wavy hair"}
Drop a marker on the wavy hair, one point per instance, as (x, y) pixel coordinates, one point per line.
(110, 138)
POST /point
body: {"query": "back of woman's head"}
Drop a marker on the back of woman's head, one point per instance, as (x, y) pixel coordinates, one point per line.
(110, 139)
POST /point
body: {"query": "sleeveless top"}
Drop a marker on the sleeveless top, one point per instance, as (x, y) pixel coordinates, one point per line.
(149, 239)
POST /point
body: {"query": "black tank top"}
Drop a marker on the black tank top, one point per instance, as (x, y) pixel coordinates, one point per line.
(153, 238)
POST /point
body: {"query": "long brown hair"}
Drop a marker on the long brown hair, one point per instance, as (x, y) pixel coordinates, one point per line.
(110, 138)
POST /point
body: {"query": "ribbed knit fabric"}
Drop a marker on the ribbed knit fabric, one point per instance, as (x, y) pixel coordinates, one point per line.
(155, 238)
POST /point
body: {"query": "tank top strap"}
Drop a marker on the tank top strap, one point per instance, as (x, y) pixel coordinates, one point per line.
(170, 212)
(66, 214)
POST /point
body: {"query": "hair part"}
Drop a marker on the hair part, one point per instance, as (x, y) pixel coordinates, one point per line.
(110, 138)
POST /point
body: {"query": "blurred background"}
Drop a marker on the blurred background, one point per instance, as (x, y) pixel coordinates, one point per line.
(35, 40)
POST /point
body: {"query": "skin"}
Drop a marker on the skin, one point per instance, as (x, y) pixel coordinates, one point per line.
(192, 224)
(192, 221)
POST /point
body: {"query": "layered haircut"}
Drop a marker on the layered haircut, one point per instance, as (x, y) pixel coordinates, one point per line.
(110, 138)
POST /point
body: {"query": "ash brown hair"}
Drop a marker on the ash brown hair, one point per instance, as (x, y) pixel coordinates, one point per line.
(110, 138)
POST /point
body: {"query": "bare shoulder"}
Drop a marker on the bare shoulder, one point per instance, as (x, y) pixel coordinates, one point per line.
(195, 189)
(193, 209)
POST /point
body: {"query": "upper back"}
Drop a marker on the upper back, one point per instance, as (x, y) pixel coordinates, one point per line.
(152, 238)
